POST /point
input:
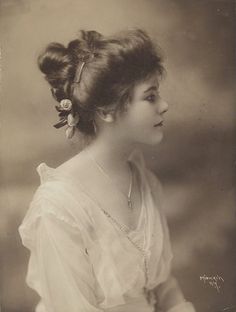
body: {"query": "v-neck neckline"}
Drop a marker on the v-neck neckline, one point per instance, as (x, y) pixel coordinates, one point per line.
(50, 172)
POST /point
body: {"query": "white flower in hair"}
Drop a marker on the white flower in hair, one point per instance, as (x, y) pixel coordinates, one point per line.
(68, 116)
(65, 105)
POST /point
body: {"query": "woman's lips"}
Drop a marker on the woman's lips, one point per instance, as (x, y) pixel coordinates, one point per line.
(160, 124)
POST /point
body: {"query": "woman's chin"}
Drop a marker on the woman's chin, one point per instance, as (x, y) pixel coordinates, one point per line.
(155, 140)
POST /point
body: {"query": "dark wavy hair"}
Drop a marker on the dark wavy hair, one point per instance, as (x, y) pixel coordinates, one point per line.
(113, 65)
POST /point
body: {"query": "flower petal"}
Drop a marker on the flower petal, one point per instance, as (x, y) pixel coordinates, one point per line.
(70, 132)
(72, 120)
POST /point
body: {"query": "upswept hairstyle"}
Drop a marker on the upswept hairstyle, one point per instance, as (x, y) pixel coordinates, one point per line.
(97, 72)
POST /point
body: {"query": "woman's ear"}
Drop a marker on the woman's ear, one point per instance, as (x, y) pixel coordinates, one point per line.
(106, 116)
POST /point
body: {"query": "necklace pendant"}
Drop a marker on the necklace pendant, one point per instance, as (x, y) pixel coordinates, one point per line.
(130, 203)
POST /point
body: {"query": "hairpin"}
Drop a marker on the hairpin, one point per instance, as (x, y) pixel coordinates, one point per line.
(80, 73)
(84, 59)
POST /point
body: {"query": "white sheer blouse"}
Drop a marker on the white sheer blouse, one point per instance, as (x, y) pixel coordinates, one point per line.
(83, 260)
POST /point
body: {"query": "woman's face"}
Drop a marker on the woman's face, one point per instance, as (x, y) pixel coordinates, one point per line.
(143, 120)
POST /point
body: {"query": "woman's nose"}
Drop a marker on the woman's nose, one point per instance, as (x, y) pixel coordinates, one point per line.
(162, 107)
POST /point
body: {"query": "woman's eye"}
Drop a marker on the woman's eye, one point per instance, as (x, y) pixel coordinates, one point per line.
(151, 98)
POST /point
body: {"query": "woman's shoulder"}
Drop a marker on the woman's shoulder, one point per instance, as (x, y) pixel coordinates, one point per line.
(63, 179)
(55, 185)
(49, 198)
(58, 194)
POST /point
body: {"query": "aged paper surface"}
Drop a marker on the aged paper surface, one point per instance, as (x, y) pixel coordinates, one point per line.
(195, 162)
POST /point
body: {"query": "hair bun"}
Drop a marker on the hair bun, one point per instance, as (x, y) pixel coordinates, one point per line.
(57, 64)
(52, 58)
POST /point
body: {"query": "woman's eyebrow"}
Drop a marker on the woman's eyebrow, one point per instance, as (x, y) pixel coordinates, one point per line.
(152, 88)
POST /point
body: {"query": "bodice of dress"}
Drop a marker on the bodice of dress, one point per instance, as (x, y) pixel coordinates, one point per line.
(114, 263)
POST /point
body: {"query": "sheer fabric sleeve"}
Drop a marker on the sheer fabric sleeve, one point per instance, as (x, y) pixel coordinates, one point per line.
(59, 267)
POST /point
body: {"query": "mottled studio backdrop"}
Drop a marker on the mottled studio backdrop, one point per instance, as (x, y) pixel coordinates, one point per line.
(196, 161)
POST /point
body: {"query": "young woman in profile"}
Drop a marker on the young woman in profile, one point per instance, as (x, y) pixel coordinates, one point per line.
(95, 228)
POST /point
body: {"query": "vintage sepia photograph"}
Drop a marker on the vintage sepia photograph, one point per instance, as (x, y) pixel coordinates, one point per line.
(118, 156)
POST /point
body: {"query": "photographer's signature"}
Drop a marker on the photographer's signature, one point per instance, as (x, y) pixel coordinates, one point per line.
(213, 281)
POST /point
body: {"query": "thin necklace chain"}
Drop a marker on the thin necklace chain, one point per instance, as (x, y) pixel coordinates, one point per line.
(127, 196)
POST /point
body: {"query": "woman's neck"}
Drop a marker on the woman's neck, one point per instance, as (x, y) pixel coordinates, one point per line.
(110, 152)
